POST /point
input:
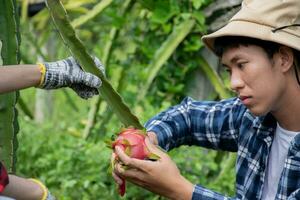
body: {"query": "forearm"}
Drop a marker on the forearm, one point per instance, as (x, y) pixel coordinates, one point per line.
(182, 190)
(171, 126)
(16, 77)
(208, 124)
(22, 188)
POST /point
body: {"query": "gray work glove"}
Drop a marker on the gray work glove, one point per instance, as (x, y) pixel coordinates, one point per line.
(68, 73)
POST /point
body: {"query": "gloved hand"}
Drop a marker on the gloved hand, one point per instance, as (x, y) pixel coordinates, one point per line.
(68, 73)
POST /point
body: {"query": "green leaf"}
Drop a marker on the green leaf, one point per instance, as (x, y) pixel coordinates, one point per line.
(149, 4)
(164, 53)
(108, 143)
(197, 3)
(75, 4)
(164, 10)
(193, 44)
(200, 17)
(92, 13)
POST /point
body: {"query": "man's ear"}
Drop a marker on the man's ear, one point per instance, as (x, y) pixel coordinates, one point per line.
(286, 58)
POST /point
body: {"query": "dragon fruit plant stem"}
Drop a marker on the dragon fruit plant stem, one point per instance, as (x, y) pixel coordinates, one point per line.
(78, 50)
(132, 142)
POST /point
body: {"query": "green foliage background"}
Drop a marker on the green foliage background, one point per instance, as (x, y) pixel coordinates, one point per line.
(55, 150)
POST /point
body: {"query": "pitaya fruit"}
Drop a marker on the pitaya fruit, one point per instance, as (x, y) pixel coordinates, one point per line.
(132, 142)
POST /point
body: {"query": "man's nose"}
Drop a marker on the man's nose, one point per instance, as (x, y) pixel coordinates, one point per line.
(236, 81)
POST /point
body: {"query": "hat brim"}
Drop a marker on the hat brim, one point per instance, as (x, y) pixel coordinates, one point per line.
(253, 30)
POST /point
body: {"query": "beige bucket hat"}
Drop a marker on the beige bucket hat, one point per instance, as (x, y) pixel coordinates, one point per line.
(272, 20)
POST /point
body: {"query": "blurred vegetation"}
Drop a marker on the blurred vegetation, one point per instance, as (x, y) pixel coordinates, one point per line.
(132, 40)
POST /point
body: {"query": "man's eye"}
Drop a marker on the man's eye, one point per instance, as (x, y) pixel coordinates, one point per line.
(241, 64)
(228, 70)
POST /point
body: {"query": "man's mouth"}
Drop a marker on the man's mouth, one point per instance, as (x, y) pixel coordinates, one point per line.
(245, 99)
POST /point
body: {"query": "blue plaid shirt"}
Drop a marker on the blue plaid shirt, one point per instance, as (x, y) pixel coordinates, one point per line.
(228, 125)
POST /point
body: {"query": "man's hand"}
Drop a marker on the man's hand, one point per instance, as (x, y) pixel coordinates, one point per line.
(68, 73)
(152, 137)
(161, 177)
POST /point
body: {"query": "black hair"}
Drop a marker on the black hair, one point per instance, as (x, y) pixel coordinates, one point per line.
(297, 64)
(297, 58)
(223, 43)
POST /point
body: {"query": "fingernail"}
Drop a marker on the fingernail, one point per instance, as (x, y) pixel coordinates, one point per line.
(120, 182)
(117, 148)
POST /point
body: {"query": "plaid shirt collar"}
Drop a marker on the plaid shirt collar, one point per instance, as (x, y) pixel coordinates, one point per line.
(265, 126)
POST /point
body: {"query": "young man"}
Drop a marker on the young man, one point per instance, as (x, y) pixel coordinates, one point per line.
(260, 48)
(53, 75)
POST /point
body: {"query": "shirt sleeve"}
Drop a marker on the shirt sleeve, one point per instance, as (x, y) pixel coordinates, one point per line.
(208, 124)
(201, 193)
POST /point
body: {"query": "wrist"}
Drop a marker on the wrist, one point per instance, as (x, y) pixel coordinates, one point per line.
(41, 191)
(183, 190)
(42, 70)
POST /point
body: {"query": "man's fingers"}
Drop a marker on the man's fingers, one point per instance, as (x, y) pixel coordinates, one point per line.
(128, 173)
(114, 162)
(125, 159)
(131, 162)
(117, 179)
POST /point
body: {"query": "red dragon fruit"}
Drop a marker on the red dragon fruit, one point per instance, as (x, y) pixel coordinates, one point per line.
(132, 142)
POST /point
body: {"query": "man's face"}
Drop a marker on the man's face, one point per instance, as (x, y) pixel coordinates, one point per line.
(257, 79)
